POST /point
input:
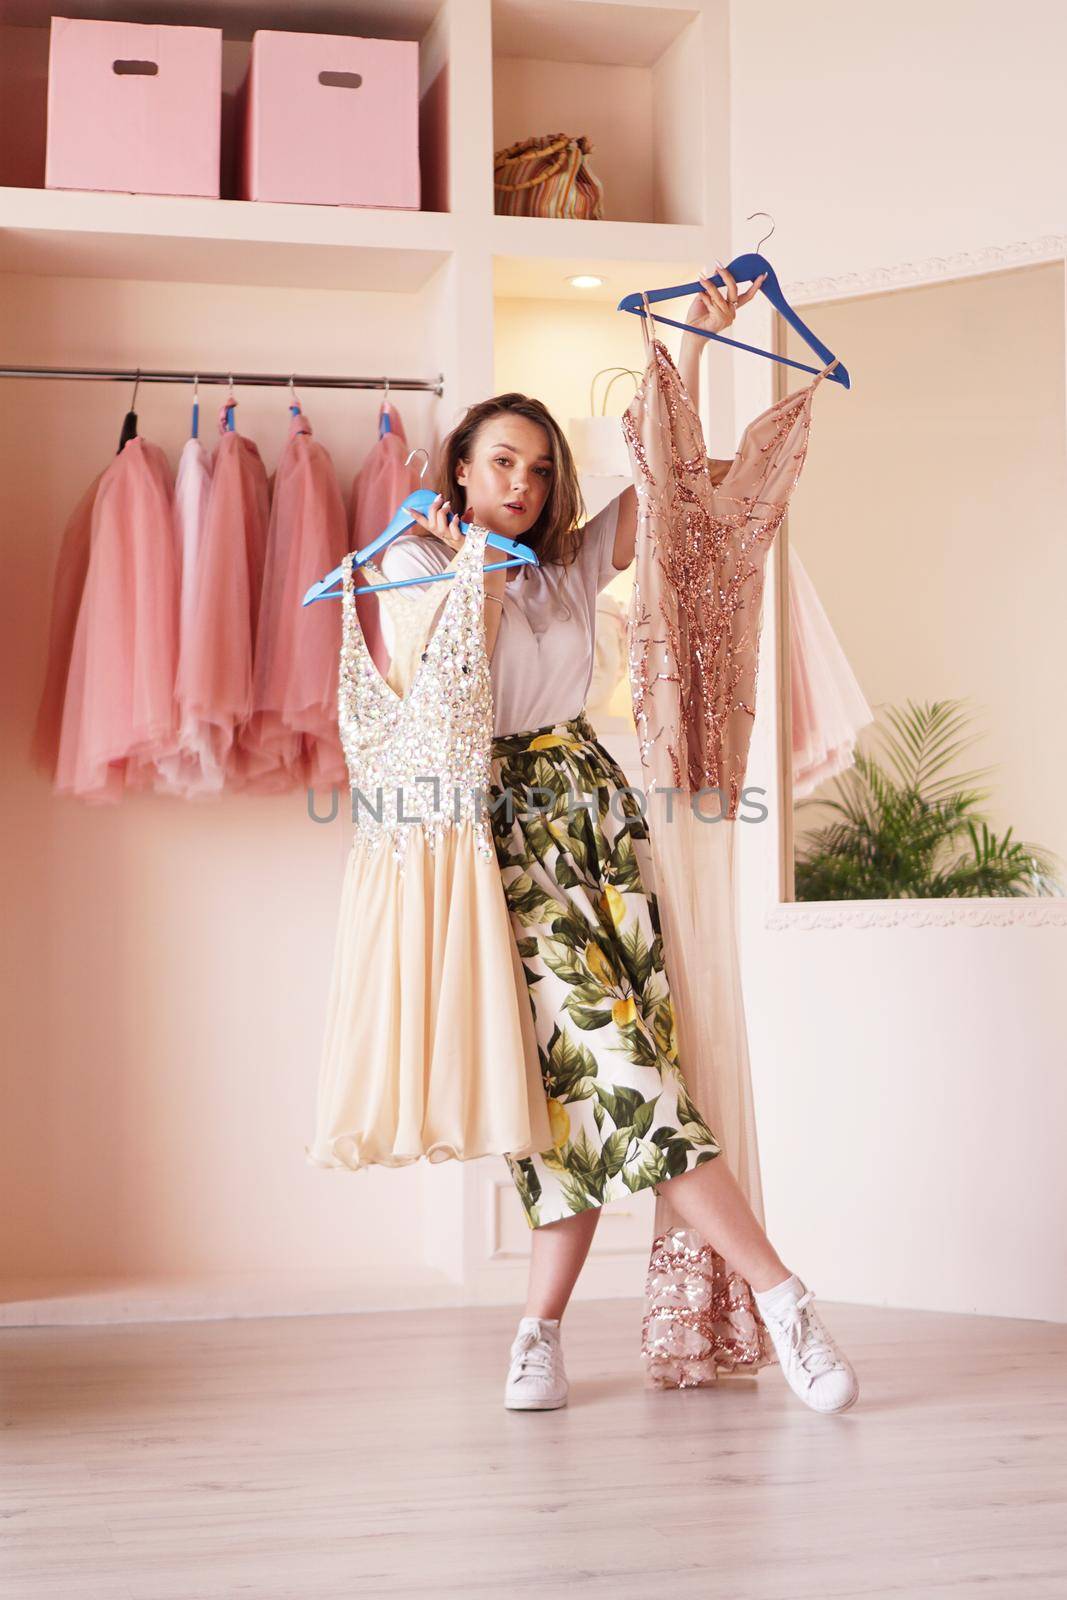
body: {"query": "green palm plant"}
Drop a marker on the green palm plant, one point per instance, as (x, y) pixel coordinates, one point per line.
(909, 829)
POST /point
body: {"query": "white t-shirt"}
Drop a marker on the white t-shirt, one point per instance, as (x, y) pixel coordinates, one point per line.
(542, 662)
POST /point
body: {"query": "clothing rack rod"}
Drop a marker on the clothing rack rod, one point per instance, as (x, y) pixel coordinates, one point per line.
(238, 379)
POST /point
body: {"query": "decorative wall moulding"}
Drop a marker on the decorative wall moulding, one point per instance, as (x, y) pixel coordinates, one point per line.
(935, 269)
(992, 912)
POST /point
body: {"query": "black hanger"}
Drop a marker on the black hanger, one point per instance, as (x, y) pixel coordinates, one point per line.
(129, 422)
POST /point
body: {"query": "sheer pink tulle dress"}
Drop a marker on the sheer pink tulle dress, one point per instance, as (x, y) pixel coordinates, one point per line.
(214, 688)
(828, 706)
(186, 771)
(119, 711)
(293, 732)
(68, 586)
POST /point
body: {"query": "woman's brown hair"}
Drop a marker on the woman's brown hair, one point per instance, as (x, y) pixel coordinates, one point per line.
(556, 535)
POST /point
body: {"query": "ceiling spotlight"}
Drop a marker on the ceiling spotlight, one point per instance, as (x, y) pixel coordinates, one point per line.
(585, 280)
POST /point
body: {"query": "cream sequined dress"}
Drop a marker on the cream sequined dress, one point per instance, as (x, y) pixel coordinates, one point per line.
(429, 1046)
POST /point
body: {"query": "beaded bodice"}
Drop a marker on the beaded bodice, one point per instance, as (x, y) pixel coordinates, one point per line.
(406, 615)
(421, 758)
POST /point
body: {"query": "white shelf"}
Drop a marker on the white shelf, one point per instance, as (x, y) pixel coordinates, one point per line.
(79, 234)
(602, 35)
(534, 256)
(632, 77)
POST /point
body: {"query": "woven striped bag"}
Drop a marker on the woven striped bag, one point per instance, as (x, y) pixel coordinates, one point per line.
(547, 176)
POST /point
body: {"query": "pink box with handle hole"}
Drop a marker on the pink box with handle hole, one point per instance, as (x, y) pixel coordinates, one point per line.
(133, 107)
(331, 120)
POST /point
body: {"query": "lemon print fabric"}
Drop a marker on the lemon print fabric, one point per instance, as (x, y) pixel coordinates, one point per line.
(575, 862)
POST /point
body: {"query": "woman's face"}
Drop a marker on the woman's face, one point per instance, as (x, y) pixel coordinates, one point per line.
(510, 466)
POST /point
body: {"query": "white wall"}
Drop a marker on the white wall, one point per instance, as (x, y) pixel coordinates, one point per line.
(878, 135)
(909, 1082)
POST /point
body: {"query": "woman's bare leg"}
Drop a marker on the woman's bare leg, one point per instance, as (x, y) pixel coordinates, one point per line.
(557, 1252)
(709, 1199)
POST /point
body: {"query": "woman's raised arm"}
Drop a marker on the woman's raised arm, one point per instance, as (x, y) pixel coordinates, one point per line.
(625, 530)
(713, 309)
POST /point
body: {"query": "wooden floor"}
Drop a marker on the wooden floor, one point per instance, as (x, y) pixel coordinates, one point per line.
(340, 1456)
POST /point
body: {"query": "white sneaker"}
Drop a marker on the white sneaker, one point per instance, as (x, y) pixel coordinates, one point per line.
(536, 1378)
(814, 1367)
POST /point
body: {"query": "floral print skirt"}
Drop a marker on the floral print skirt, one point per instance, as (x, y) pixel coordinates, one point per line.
(575, 861)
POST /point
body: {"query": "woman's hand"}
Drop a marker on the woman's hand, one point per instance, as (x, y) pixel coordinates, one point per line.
(711, 311)
(715, 309)
(441, 520)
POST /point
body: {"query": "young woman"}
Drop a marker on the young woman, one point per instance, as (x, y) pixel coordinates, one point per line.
(577, 880)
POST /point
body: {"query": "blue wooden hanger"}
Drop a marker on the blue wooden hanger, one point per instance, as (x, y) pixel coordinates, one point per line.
(418, 500)
(744, 269)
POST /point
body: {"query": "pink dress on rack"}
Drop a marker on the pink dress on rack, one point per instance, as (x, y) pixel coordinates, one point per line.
(68, 586)
(294, 722)
(381, 484)
(187, 771)
(693, 635)
(214, 689)
(119, 712)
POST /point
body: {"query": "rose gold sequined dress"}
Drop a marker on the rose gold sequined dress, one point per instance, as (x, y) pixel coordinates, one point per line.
(693, 636)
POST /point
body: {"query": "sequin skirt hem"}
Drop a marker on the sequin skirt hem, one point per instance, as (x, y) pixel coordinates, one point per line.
(701, 1321)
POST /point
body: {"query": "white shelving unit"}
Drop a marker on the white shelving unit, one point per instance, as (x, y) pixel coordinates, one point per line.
(647, 82)
(637, 78)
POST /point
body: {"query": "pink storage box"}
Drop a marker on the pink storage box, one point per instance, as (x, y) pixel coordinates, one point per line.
(331, 120)
(152, 129)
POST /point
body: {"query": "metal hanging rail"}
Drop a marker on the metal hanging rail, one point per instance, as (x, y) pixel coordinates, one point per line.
(234, 379)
